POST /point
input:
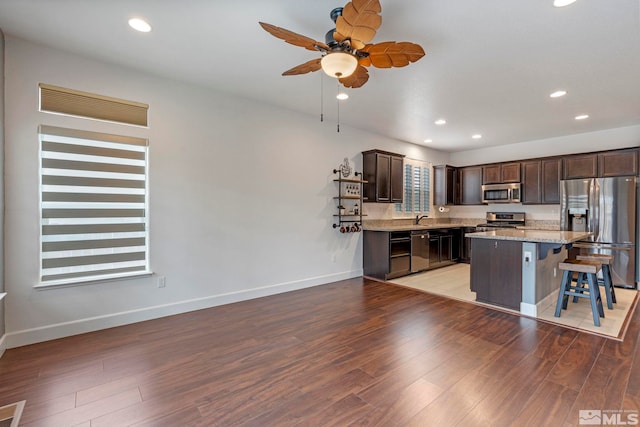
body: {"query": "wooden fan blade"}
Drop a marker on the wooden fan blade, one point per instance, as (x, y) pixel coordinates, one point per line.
(293, 38)
(359, 22)
(307, 67)
(359, 77)
(392, 54)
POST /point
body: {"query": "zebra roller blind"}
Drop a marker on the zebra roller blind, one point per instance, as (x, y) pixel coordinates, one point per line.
(61, 100)
(93, 205)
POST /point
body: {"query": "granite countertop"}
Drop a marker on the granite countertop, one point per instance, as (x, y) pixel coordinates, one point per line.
(536, 236)
(411, 227)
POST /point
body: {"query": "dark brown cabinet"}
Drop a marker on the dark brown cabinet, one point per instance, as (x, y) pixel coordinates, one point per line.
(383, 172)
(445, 180)
(470, 185)
(501, 173)
(491, 174)
(580, 166)
(551, 173)
(465, 244)
(496, 272)
(603, 164)
(531, 182)
(618, 163)
(443, 250)
(541, 181)
(386, 254)
(510, 172)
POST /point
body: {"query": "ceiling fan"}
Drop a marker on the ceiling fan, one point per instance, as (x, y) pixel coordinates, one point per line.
(345, 53)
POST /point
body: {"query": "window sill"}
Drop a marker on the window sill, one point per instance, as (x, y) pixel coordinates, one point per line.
(89, 281)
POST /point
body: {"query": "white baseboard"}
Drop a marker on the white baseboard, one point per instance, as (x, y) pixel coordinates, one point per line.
(528, 309)
(81, 326)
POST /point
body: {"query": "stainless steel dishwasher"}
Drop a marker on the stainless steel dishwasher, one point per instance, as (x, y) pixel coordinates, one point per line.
(419, 250)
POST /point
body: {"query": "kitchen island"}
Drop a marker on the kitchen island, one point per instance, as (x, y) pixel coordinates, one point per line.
(517, 268)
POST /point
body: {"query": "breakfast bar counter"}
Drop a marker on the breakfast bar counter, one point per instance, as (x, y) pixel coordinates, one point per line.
(517, 268)
(529, 235)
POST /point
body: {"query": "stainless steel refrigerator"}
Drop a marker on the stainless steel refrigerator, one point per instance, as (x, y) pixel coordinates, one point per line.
(606, 207)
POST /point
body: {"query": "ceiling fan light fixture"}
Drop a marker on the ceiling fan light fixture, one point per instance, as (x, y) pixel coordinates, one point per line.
(139, 25)
(339, 64)
(563, 3)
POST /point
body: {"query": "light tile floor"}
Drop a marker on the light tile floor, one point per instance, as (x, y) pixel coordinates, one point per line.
(453, 282)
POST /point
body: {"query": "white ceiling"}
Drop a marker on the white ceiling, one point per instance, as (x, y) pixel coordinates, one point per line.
(490, 64)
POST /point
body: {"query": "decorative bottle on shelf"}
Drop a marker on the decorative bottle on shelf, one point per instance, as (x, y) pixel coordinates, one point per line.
(356, 210)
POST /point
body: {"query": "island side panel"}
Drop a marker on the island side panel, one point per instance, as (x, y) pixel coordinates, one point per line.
(496, 272)
(548, 277)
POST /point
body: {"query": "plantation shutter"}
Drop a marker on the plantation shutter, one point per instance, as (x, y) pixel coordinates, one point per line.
(93, 205)
(416, 188)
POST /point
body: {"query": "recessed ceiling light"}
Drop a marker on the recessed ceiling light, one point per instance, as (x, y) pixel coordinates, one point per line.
(582, 117)
(440, 122)
(342, 96)
(476, 136)
(558, 94)
(139, 25)
(428, 141)
(563, 3)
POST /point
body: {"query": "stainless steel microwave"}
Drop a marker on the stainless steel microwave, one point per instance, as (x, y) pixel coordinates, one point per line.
(501, 193)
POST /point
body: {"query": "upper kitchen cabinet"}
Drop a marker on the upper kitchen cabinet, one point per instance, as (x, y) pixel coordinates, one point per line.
(618, 163)
(470, 185)
(580, 166)
(541, 181)
(501, 173)
(383, 171)
(603, 164)
(445, 181)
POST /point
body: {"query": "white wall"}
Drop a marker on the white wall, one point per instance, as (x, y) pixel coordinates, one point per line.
(241, 197)
(578, 143)
(2, 323)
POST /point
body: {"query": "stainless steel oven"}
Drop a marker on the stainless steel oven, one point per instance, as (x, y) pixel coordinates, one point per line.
(497, 220)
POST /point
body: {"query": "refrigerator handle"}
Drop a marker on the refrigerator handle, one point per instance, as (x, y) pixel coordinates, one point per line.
(594, 209)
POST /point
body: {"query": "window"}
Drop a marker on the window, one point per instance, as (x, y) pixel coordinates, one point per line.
(93, 222)
(416, 188)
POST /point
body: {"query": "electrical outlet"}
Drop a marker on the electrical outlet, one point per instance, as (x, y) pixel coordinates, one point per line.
(527, 257)
(162, 282)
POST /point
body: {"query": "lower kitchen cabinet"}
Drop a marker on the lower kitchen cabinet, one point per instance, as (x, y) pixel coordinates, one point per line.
(465, 244)
(444, 247)
(386, 254)
(491, 280)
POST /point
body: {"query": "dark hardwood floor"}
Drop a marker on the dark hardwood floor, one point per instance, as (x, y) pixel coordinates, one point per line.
(355, 352)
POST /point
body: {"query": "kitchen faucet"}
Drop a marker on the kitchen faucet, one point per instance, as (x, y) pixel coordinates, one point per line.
(418, 218)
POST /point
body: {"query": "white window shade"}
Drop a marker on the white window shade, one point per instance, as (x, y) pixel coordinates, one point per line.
(93, 205)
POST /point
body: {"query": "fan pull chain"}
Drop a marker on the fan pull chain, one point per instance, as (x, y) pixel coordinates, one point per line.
(338, 106)
(321, 98)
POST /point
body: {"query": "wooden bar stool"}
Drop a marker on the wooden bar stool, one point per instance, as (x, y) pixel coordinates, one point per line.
(607, 282)
(586, 270)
